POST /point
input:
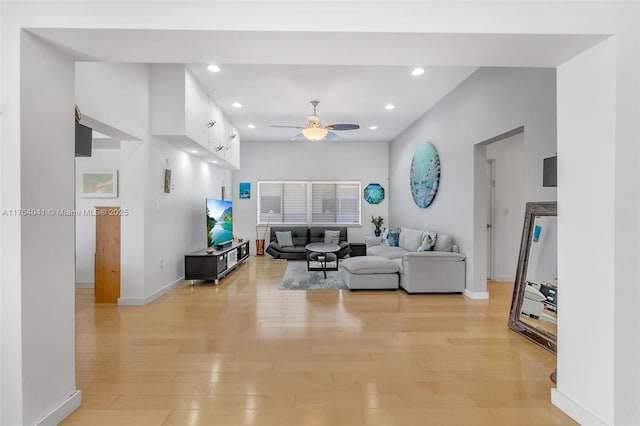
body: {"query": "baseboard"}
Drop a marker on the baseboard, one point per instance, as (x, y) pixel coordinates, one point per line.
(478, 295)
(573, 410)
(62, 411)
(141, 301)
(84, 285)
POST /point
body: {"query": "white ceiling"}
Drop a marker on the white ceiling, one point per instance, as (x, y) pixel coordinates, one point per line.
(354, 75)
(280, 95)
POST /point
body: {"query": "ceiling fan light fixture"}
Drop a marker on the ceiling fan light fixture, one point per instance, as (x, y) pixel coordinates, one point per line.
(315, 133)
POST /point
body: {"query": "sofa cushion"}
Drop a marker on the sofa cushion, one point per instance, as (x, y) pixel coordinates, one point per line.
(316, 233)
(370, 265)
(331, 237)
(299, 234)
(284, 239)
(443, 243)
(428, 241)
(410, 239)
(389, 252)
(393, 237)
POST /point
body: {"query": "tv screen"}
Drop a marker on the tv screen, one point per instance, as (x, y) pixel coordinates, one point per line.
(84, 136)
(219, 222)
(550, 171)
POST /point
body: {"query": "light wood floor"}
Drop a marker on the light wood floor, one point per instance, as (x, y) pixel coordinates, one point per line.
(246, 353)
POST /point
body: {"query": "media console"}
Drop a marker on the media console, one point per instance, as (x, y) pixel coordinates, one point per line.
(201, 265)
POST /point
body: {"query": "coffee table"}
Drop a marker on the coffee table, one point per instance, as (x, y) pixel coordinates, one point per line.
(323, 253)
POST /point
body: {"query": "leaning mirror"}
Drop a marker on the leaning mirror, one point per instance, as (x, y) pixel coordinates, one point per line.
(534, 307)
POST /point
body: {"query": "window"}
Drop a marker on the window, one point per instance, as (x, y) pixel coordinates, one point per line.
(309, 203)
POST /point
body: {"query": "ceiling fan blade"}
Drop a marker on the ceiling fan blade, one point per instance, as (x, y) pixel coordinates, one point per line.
(342, 127)
(290, 127)
(298, 138)
(331, 137)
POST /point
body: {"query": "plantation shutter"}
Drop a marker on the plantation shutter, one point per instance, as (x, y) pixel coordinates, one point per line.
(305, 202)
(282, 202)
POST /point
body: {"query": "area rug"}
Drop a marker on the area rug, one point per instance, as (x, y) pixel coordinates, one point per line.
(296, 277)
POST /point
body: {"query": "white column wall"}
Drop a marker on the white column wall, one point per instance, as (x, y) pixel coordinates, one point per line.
(364, 162)
(491, 102)
(47, 179)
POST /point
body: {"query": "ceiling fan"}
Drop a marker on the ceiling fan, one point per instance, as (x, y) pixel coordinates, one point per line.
(315, 131)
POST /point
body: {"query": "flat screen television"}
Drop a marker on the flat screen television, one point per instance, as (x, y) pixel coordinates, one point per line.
(84, 137)
(550, 171)
(219, 222)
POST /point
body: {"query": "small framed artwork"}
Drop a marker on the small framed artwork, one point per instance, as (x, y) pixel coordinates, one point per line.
(245, 190)
(98, 183)
(167, 181)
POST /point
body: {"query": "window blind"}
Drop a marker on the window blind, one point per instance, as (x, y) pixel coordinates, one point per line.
(309, 202)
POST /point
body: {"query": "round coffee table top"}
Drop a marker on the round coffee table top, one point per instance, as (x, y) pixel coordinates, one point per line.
(322, 247)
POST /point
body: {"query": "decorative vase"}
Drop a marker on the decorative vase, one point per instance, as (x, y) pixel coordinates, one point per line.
(377, 232)
(259, 247)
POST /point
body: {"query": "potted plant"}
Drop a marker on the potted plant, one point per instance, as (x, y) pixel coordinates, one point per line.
(377, 222)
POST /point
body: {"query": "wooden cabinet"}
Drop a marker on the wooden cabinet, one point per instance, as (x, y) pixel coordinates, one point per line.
(107, 256)
(201, 265)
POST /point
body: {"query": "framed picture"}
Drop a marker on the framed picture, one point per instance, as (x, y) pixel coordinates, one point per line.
(98, 183)
(245, 190)
(167, 181)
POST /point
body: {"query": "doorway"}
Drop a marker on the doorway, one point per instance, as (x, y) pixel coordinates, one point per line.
(505, 210)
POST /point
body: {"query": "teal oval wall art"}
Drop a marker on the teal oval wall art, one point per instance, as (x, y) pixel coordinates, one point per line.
(425, 174)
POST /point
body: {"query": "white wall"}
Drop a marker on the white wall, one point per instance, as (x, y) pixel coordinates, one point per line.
(587, 266)
(175, 223)
(508, 211)
(491, 102)
(47, 239)
(353, 161)
(159, 228)
(101, 159)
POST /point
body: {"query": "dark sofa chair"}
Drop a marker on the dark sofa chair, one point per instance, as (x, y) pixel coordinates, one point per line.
(301, 236)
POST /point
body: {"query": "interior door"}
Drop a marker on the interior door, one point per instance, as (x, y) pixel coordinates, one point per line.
(490, 210)
(107, 255)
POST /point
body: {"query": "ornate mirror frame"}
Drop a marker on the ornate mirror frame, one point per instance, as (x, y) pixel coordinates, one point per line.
(542, 337)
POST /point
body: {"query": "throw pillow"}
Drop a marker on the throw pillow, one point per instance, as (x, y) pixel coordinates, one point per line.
(284, 239)
(393, 237)
(428, 241)
(332, 237)
(383, 241)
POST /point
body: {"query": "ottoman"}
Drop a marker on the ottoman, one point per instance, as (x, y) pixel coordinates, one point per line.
(370, 273)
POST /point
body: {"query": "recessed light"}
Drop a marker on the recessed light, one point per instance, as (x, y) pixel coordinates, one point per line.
(417, 71)
(389, 106)
(251, 126)
(193, 151)
(236, 105)
(214, 161)
(213, 68)
(373, 127)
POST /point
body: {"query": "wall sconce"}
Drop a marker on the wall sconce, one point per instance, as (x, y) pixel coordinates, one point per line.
(210, 124)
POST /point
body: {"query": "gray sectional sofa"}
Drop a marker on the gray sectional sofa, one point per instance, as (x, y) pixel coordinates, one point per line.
(301, 236)
(440, 270)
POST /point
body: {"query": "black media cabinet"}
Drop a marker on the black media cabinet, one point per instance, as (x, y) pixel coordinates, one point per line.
(201, 265)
